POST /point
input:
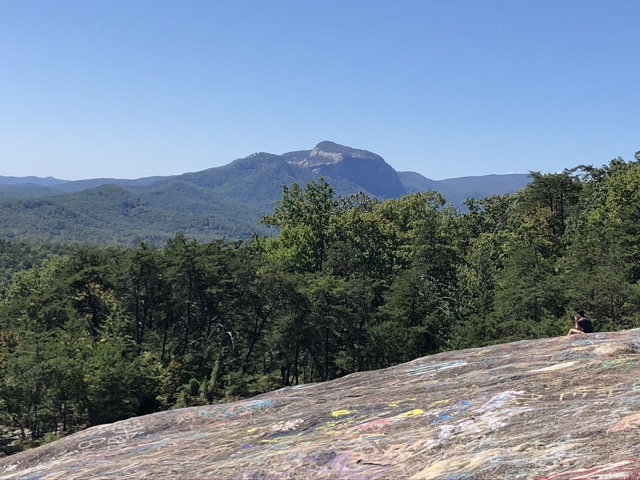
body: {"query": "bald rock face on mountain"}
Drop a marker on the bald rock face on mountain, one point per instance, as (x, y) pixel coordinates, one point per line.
(557, 409)
(361, 167)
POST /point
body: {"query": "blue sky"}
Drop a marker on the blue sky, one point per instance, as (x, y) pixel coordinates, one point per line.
(447, 88)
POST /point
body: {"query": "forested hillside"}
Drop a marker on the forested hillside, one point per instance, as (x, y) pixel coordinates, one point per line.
(98, 334)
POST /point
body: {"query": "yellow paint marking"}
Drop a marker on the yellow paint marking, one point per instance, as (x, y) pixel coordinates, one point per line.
(253, 430)
(412, 413)
(340, 413)
(440, 403)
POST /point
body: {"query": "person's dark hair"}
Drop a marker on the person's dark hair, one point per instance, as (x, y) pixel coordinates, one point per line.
(580, 312)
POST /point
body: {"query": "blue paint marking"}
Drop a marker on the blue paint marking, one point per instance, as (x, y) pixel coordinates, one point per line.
(455, 411)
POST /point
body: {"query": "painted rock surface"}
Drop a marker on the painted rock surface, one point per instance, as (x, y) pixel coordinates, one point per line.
(559, 409)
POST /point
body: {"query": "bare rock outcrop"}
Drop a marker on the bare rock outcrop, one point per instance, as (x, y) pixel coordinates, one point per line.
(362, 167)
(557, 409)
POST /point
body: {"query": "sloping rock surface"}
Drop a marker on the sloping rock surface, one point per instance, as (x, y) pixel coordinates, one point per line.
(557, 409)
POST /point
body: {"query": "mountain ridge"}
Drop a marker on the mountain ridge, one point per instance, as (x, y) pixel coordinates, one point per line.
(292, 157)
(225, 201)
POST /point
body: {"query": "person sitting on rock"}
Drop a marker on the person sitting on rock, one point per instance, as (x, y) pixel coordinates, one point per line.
(583, 324)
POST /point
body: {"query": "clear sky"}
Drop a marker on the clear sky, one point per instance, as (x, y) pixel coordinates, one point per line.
(446, 88)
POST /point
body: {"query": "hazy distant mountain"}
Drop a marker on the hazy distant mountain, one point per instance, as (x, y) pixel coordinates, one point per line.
(414, 182)
(81, 185)
(457, 190)
(25, 187)
(225, 201)
(46, 182)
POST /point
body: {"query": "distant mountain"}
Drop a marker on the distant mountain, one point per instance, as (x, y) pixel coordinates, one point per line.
(25, 187)
(225, 201)
(81, 185)
(457, 190)
(45, 182)
(365, 169)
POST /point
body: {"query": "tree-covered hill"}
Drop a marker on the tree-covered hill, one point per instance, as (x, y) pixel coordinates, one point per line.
(105, 215)
(27, 190)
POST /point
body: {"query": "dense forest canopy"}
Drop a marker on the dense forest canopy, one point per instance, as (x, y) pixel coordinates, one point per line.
(90, 334)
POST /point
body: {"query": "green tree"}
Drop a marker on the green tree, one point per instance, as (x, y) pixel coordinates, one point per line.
(483, 233)
(601, 264)
(303, 218)
(142, 289)
(557, 193)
